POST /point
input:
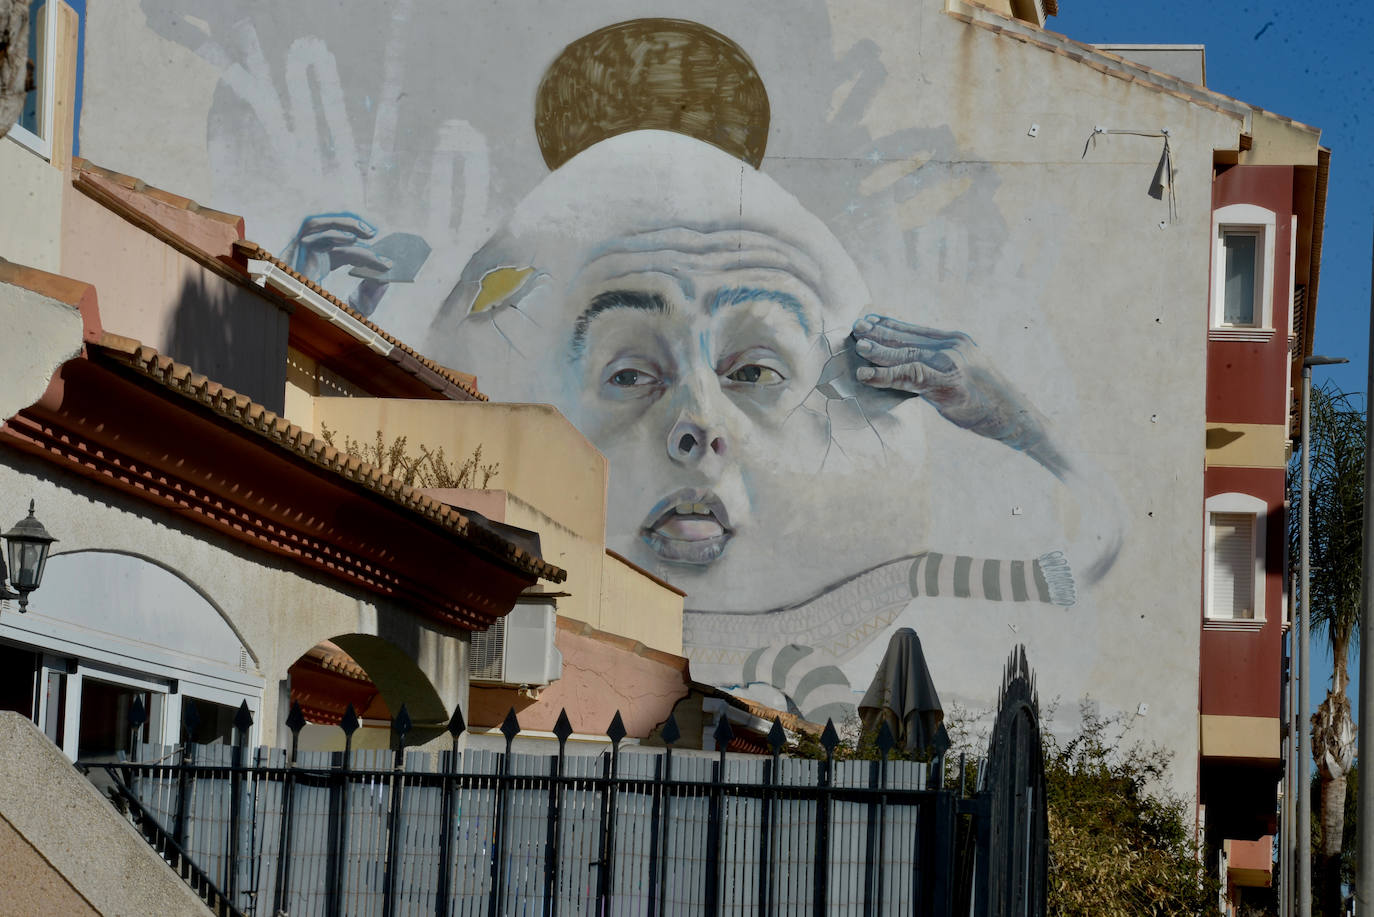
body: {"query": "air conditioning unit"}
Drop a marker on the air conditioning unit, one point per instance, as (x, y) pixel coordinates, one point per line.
(519, 648)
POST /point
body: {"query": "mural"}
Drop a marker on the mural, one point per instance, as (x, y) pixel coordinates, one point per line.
(775, 349)
(715, 340)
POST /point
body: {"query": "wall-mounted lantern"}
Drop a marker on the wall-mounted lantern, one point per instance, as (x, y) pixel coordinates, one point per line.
(28, 543)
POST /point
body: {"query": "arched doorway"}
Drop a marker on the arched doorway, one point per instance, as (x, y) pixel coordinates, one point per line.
(374, 675)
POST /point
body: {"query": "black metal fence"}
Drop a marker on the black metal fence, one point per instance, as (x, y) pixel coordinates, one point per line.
(630, 831)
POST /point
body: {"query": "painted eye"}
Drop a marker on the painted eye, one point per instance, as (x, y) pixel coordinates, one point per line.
(628, 377)
(756, 374)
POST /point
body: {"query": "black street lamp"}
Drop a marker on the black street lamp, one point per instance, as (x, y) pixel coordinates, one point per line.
(28, 544)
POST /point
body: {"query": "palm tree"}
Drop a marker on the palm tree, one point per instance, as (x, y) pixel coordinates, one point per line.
(1336, 541)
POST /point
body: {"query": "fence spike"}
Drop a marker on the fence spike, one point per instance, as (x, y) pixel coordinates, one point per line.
(456, 724)
(616, 731)
(777, 736)
(510, 727)
(138, 715)
(243, 720)
(885, 739)
(401, 725)
(563, 728)
(295, 720)
(724, 733)
(830, 738)
(349, 724)
(671, 733)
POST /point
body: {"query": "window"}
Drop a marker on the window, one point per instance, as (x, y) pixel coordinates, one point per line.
(1233, 574)
(34, 128)
(1243, 272)
(1241, 248)
(1235, 560)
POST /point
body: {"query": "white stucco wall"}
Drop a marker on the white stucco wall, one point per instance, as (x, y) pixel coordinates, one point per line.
(31, 200)
(41, 334)
(957, 170)
(278, 610)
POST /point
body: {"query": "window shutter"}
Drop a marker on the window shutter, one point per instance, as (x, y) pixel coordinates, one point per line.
(1233, 565)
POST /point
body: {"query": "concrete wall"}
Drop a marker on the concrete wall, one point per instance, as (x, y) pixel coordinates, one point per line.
(913, 166)
(51, 818)
(31, 200)
(41, 334)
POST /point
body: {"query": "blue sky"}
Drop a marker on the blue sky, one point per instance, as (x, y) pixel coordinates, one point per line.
(1313, 62)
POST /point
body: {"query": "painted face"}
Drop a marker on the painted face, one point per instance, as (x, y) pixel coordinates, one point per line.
(675, 304)
(694, 360)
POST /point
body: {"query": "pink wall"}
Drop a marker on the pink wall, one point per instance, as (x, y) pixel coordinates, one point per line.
(602, 673)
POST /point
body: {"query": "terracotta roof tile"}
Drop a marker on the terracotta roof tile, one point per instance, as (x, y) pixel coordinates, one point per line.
(239, 409)
(463, 381)
(133, 183)
(790, 721)
(331, 658)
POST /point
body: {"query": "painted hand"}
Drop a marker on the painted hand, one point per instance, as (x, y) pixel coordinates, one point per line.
(948, 370)
(328, 241)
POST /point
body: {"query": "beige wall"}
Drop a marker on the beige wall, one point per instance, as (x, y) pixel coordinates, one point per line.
(31, 202)
(1251, 737)
(605, 591)
(636, 606)
(543, 458)
(51, 819)
(579, 554)
(302, 386)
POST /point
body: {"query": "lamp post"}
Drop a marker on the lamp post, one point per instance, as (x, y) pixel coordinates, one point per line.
(28, 543)
(1302, 824)
(1364, 876)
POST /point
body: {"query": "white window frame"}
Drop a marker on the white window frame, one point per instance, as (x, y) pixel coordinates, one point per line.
(1261, 222)
(46, 72)
(1242, 504)
(81, 654)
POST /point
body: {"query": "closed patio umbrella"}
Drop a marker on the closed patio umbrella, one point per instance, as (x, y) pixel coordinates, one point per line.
(903, 695)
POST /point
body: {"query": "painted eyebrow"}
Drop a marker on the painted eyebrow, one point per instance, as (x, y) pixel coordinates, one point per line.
(734, 296)
(613, 299)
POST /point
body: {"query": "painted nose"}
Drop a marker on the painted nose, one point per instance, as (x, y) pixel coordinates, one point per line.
(689, 441)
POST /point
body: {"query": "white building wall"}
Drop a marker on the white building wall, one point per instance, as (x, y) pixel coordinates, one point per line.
(959, 174)
(238, 597)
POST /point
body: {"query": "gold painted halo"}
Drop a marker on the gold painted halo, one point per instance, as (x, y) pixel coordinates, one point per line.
(652, 74)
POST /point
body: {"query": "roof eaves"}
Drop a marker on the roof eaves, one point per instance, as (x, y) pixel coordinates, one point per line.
(241, 410)
(341, 313)
(1314, 270)
(137, 185)
(95, 182)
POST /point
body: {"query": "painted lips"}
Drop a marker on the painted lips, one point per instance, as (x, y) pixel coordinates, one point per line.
(688, 527)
